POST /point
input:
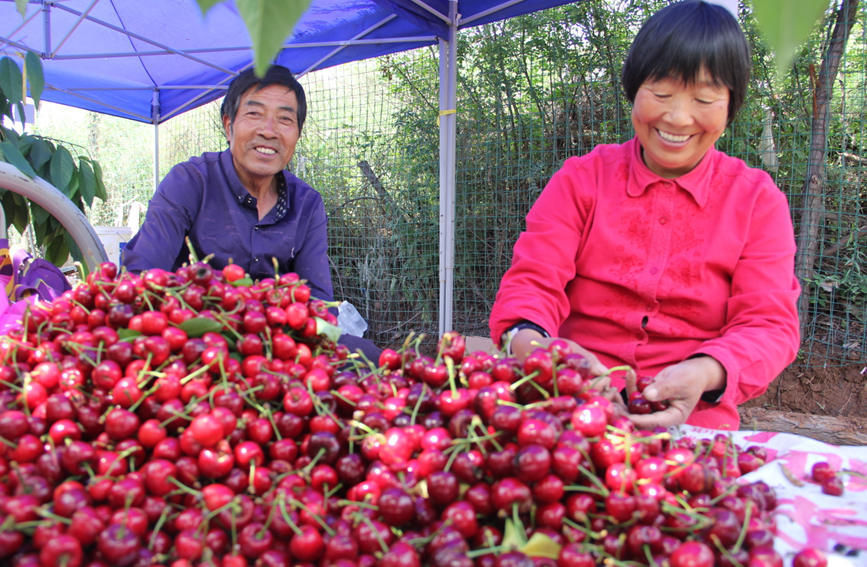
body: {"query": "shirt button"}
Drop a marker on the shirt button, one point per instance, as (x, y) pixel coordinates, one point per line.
(256, 259)
(256, 228)
(663, 220)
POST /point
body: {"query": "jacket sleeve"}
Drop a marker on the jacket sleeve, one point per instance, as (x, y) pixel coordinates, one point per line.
(171, 212)
(544, 256)
(761, 335)
(311, 260)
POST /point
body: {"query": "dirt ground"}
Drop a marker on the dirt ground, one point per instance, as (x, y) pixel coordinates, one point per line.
(833, 391)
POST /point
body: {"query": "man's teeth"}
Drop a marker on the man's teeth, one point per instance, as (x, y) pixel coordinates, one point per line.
(266, 150)
(671, 137)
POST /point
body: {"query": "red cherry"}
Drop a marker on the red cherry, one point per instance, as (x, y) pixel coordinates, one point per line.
(810, 557)
(823, 471)
(692, 554)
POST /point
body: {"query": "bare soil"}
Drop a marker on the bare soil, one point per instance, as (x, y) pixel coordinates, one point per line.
(838, 391)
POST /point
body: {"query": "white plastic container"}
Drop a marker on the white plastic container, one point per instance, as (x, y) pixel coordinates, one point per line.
(113, 239)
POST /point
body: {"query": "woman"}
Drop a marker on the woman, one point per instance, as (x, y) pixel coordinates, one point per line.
(664, 253)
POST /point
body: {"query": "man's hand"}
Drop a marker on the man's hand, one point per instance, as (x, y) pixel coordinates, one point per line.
(681, 385)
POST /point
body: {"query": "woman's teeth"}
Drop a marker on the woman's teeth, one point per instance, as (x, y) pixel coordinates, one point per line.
(672, 138)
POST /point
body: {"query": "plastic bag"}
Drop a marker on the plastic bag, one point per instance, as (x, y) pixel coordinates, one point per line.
(350, 320)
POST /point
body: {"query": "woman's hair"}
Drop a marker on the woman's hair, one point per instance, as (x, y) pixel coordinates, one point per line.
(680, 39)
(276, 75)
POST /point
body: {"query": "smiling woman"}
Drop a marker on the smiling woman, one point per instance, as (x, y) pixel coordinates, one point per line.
(663, 253)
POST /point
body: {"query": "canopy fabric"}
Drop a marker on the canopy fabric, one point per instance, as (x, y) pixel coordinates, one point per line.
(149, 60)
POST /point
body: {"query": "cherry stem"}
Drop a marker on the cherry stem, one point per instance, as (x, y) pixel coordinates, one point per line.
(52, 516)
(486, 551)
(529, 377)
(316, 517)
(158, 526)
(183, 487)
(281, 504)
(748, 512)
(376, 533)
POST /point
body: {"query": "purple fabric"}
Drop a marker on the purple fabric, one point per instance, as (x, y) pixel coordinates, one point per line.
(25, 280)
(204, 198)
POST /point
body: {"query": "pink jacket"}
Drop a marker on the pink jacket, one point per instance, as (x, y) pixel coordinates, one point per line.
(648, 271)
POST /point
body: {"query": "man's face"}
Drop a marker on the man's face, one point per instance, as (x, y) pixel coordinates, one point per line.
(263, 136)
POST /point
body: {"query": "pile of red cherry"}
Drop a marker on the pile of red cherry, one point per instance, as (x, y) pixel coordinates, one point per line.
(199, 418)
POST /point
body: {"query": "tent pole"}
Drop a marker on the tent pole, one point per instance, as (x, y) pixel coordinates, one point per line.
(447, 124)
(155, 116)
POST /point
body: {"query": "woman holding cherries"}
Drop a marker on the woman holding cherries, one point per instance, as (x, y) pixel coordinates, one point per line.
(664, 253)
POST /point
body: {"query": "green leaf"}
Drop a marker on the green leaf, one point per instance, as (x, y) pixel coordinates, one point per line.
(13, 155)
(11, 81)
(205, 5)
(62, 168)
(246, 281)
(87, 182)
(57, 252)
(269, 23)
(24, 143)
(541, 545)
(512, 539)
(21, 5)
(198, 326)
(785, 26)
(40, 153)
(20, 216)
(72, 190)
(127, 335)
(34, 76)
(327, 330)
(100, 186)
(40, 215)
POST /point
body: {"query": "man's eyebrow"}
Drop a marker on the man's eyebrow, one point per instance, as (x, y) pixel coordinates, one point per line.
(252, 102)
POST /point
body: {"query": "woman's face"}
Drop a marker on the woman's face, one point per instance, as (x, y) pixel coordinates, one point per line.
(678, 122)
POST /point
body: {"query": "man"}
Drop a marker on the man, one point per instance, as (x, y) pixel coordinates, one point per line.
(241, 205)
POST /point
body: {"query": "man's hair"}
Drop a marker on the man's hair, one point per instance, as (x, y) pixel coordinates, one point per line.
(680, 39)
(276, 75)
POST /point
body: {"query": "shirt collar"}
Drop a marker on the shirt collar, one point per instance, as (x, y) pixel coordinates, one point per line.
(243, 197)
(695, 182)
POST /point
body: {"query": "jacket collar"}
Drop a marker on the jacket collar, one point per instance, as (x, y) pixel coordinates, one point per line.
(696, 182)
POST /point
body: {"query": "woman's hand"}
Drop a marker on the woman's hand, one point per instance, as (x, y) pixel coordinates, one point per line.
(527, 340)
(682, 386)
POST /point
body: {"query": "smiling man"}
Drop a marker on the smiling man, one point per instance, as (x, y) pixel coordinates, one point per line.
(242, 205)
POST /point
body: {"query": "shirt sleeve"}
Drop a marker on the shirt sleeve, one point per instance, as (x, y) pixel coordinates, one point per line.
(761, 335)
(543, 258)
(170, 214)
(311, 260)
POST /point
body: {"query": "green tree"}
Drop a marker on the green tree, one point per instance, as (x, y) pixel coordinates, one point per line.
(79, 177)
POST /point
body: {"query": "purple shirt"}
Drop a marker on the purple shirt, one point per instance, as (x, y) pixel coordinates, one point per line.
(203, 198)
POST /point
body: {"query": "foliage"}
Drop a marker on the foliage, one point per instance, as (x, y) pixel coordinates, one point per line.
(269, 23)
(785, 28)
(77, 177)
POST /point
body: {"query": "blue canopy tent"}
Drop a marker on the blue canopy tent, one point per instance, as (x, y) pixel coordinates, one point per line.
(150, 60)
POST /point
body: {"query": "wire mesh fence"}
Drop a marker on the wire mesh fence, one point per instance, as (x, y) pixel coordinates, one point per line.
(533, 91)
